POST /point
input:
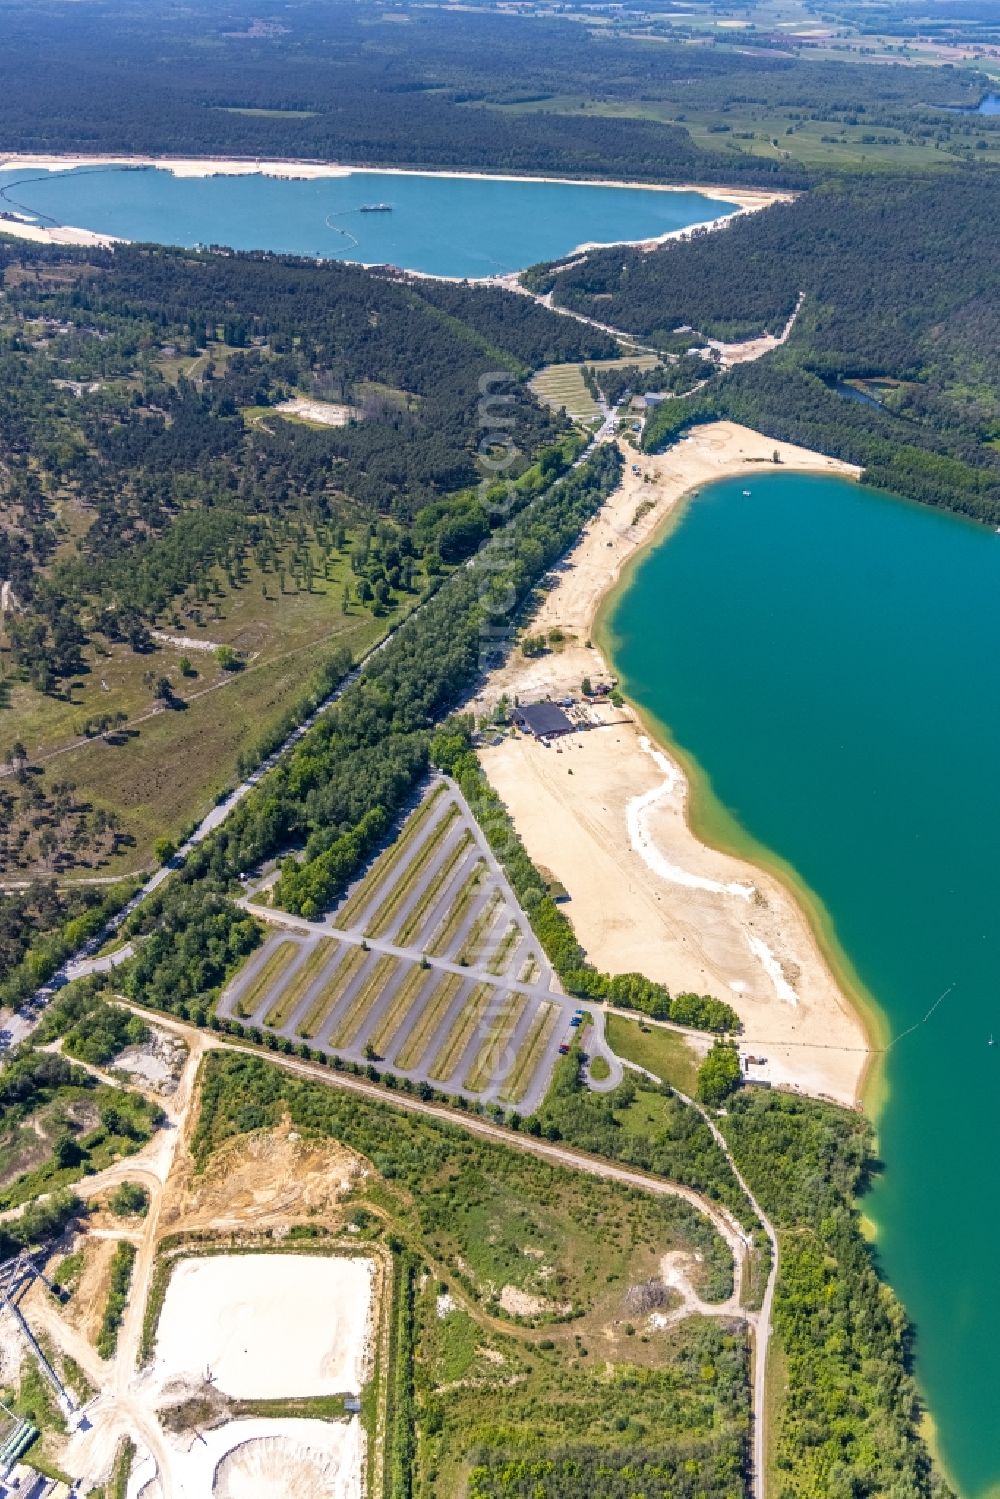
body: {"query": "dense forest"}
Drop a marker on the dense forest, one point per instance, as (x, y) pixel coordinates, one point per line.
(410, 85)
(901, 287)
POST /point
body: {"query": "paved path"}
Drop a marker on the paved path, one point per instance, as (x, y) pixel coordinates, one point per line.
(762, 1319)
(409, 936)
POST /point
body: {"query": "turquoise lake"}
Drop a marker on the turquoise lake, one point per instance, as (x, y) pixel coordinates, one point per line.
(828, 656)
(445, 226)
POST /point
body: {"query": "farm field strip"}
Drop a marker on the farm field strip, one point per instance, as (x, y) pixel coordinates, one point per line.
(562, 386)
(488, 1061)
(380, 923)
(473, 947)
(358, 902)
(530, 1055)
(500, 960)
(406, 998)
(299, 982)
(330, 993)
(462, 1031)
(413, 922)
(273, 964)
(451, 915)
(437, 1005)
(372, 984)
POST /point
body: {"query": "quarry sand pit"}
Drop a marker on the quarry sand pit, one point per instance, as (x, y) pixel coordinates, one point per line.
(268, 1326)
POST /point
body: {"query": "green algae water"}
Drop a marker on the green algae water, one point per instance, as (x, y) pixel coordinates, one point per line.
(829, 657)
(443, 226)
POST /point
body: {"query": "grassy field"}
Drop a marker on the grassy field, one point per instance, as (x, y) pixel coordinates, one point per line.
(432, 893)
(270, 971)
(562, 387)
(405, 1004)
(395, 896)
(667, 1053)
(442, 940)
(753, 127)
(504, 951)
(490, 1056)
(431, 1015)
(473, 948)
(410, 928)
(288, 997)
(387, 863)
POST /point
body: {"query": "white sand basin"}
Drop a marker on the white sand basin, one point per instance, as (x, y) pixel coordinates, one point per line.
(263, 1459)
(289, 1460)
(269, 1326)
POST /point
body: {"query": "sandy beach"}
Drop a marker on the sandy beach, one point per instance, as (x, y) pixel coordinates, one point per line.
(54, 234)
(645, 893)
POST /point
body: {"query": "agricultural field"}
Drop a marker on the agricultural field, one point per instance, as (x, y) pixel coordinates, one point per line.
(562, 387)
(427, 966)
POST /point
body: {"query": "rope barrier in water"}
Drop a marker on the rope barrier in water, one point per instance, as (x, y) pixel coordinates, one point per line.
(51, 177)
(916, 1026)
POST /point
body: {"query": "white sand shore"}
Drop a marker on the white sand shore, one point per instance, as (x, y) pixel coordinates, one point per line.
(225, 166)
(645, 893)
(55, 234)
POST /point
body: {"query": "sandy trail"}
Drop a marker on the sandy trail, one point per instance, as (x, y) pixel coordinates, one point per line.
(645, 893)
(121, 1409)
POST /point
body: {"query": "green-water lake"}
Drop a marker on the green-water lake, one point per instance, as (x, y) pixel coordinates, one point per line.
(444, 226)
(830, 658)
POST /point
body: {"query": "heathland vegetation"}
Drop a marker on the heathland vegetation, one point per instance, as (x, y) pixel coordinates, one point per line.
(337, 792)
(846, 1410)
(529, 1281)
(59, 1123)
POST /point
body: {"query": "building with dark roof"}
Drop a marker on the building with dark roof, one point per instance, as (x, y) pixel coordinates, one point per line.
(544, 720)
